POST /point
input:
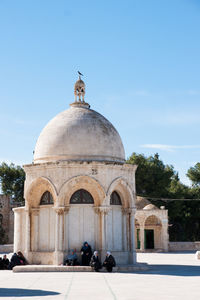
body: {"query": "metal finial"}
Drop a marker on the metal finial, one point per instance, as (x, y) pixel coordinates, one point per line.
(80, 74)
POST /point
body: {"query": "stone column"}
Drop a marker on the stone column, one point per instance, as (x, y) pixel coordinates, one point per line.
(125, 235)
(142, 237)
(34, 229)
(17, 228)
(164, 235)
(28, 235)
(103, 213)
(59, 236)
(132, 240)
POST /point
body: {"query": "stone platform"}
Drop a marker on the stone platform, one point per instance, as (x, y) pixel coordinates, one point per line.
(55, 268)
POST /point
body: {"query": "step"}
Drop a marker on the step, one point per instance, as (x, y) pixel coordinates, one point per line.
(55, 268)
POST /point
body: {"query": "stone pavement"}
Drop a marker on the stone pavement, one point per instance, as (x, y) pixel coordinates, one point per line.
(173, 276)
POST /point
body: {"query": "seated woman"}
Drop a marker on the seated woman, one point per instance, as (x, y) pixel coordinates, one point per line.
(95, 262)
(109, 262)
(71, 259)
(86, 253)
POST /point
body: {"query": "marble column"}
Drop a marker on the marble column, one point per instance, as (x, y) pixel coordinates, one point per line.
(164, 235)
(59, 235)
(34, 229)
(132, 240)
(125, 237)
(142, 237)
(28, 235)
(17, 229)
(103, 213)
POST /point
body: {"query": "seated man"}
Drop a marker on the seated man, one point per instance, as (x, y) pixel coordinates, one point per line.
(5, 262)
(71, 259)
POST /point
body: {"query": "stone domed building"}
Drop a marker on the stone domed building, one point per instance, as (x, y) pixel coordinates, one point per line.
(77, 189)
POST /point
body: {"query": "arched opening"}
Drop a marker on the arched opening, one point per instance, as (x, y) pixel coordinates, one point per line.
(46, 221)
(82, 197)
(116, 228)
(115, 199)
(83, 219)
(46, 198)
(152, 233)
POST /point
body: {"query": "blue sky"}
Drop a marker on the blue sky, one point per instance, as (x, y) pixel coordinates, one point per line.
(141, 65)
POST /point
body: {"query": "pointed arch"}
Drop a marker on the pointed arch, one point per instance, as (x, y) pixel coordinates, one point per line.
(37, 188)
(76, 183)
(121, 186)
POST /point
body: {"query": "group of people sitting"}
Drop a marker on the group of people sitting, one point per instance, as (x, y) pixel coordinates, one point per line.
(87, 259)
(16, 260)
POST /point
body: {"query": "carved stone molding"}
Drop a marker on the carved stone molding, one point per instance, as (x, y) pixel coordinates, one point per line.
(35, 211)
(130, 211)
(103, 210)
(59, 210)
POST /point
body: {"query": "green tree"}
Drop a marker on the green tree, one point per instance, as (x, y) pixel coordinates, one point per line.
(12, 181)
(153, 178)
(194, 174)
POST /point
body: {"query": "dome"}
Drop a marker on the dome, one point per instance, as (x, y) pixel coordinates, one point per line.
(150, 207)
(79, 134)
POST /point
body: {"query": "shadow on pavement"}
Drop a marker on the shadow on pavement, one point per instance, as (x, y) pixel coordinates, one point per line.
(173, 270)
(25, 293)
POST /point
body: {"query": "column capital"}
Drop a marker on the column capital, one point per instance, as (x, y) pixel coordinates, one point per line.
(103, 210)
(35, 211)
(131, 211)
(59, 210)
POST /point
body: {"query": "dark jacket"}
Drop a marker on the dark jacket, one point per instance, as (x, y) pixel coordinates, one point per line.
(5, 263)
(109, 261)
(95, 262)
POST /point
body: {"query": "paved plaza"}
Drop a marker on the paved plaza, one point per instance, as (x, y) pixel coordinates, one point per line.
(172, 276)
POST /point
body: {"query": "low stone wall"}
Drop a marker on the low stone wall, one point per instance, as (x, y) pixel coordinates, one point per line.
(6, 248)
(184, 246)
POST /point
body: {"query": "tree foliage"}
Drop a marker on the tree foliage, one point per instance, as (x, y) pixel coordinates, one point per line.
(153, 178)
(194, 174)
(156, 180)
(12, 181)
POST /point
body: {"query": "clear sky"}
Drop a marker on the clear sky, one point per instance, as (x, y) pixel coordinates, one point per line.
(141, 66)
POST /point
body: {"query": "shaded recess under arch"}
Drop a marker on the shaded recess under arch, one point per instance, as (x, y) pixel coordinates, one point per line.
(82, 197)
(46, 198)
(115, 199)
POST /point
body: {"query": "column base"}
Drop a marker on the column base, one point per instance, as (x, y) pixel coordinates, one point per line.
(58, 257)
(132, 257)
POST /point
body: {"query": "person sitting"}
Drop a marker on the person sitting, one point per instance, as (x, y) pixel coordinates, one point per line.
(71, 259)
(109, 262)
(95, 262)
(1, 264)
(22, 259)
(17, 259)
(5, 262)
(86, 254)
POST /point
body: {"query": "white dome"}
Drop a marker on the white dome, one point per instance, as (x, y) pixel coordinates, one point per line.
(79, 134)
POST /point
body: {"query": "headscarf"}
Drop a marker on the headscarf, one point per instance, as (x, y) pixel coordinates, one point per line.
(108, 252)
(84, 246)
(95, 253)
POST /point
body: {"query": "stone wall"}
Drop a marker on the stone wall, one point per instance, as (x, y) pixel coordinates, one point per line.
(6, 248)
(7, 217)
(184, 246)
